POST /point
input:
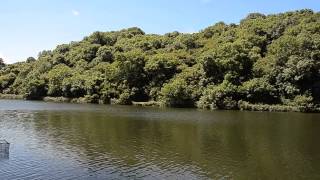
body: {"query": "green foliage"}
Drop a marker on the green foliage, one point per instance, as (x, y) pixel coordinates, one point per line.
(30, 59)
(223, 96)
(176, 94)
(35, 89)
(303, 100)
(260, 64)
(258, 90)
(124, 99)
(104, 54)
(6, 81)
(55, 78)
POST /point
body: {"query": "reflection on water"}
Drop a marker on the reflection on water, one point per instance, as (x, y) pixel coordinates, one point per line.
(65, 141)
(4, 155)
(4, 149)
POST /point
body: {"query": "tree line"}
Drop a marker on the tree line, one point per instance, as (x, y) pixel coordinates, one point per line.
(265, 59)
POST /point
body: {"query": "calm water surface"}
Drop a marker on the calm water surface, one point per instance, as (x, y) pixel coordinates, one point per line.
(71, 141)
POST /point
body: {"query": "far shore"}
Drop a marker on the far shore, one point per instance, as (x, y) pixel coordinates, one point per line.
(242, 105)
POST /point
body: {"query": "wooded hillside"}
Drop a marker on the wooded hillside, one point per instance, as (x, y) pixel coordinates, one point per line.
(266, 59)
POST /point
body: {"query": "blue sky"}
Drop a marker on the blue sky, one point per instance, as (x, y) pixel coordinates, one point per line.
(29, 26)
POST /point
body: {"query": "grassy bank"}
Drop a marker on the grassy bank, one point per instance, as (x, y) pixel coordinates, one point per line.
(11, 96)
(149, 103)
(276, 108)
(242, 105)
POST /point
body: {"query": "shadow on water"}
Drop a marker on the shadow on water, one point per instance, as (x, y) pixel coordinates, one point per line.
(4, 156)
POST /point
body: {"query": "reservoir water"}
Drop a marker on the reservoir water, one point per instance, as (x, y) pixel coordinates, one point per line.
(73, 141)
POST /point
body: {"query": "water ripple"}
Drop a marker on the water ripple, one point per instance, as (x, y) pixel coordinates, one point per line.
(53, 141)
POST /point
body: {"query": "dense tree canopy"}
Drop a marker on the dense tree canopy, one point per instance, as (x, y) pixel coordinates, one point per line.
(266, 59)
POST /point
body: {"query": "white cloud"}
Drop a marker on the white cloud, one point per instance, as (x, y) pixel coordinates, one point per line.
(6, 59)
(3, 57)
(75, 12)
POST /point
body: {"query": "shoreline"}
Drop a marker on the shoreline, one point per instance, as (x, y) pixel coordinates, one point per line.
(11, 96)
(242, 105)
